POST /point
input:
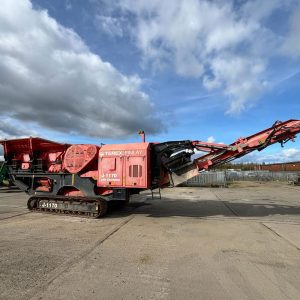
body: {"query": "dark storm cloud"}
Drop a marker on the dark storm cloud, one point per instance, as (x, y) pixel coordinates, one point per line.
(8, 130)
(49, 76)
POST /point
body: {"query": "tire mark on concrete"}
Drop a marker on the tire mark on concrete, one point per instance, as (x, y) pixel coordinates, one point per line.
(282, 237)
(18, 215)
(225, 204)
(73, 261)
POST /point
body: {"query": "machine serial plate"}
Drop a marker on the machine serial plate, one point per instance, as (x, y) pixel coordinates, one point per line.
(45, 204)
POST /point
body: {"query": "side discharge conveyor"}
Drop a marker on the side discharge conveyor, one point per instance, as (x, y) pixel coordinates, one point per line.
(217, 154)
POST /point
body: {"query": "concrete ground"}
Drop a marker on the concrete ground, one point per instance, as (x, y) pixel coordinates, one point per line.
(241, 242)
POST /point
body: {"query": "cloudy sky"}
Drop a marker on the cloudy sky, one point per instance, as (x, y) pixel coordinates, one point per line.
(99, 70)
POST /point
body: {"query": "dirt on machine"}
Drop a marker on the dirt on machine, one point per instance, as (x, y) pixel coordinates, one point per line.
(82, 179)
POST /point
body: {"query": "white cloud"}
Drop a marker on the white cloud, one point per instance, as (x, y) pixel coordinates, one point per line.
(291, 46)
(240, 77)
(211, 139)
(110, 25)
(259, 10)
(224, 43)
(48, 76)
(285, 155)
(10, 129)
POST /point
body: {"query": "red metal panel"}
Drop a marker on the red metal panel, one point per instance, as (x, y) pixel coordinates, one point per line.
(27, 145)
(135, 171)
(77, 157)
(20, 152)
(124, 165)
(110, 171)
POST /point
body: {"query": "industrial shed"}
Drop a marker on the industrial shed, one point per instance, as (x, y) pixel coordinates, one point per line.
(290, 166)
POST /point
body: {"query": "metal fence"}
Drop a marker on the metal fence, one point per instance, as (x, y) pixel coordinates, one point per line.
(207, 179)
(261, 176)
(222, 178)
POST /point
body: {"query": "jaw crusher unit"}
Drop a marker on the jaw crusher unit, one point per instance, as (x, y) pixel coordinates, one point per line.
(81, 179)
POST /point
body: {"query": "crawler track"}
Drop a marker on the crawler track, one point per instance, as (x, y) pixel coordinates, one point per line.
(79, 206)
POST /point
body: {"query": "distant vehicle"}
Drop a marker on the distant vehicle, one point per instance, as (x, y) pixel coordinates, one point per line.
(250, 174)
(4, 176)
(297, 181)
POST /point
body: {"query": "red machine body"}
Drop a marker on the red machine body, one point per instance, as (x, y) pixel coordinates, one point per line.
(83, 178)
(124, 165)
(47, 153)
(79, 157)
(281, 132)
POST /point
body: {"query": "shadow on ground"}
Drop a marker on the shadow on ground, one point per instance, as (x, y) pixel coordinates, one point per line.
(168, 207)
(203, 208)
